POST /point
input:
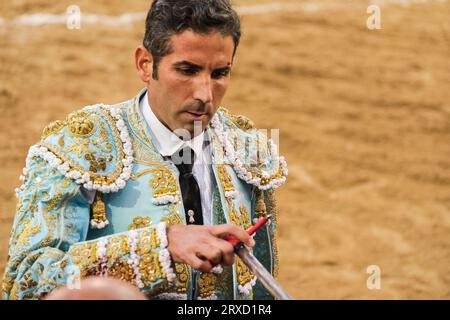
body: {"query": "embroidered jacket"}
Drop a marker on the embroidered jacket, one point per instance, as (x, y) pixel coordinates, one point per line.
(60, 233)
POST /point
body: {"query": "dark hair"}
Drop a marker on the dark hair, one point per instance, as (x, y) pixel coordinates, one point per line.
(168, 17)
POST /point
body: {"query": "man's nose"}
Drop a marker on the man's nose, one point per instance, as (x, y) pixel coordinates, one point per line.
(203, 90)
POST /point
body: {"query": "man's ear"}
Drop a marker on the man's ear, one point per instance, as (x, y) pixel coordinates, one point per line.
(144, 64)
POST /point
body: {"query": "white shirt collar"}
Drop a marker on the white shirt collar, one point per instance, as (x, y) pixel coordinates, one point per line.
(166, 142)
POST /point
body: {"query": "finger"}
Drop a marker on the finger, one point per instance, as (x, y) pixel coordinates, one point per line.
(227, 250)
(210, 252)
(200, 264)
(229, 229)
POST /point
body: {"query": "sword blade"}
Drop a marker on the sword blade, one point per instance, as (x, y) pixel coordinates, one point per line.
(262, 274)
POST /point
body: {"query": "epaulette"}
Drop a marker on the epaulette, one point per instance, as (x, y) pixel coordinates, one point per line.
(92, 146)
(253, 156)
(240, 121)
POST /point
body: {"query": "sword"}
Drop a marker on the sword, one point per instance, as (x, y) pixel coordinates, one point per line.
(264, 276)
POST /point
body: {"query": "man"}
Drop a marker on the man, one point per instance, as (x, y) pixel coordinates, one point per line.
(147, 190)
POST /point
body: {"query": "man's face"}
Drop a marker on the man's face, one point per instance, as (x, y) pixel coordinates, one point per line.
(192, 80)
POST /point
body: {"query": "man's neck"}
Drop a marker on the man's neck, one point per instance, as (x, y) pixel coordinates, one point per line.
(166, 141)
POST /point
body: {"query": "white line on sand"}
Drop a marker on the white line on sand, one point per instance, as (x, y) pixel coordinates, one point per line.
(41, 19)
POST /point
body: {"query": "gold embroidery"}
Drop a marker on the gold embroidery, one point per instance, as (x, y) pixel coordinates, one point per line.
(240, 219)
(31, 207)
(98, 209)
(80, 124)
(121, 270)
(243, 272)
(145, 242)
(240, 121)
(137, 175)
(27, 282)
(155, 240)
(140, 222)
(149, 265)
(53, 128)
(272, 208)
(14, 292)
(8, 282)
(97, 163)
(234, 216)
(29, 231)
(61, 141)
(164, 182)
(260, 205)
(182, 270)
(47, 242)
(258, 142)
(265, 181)
(81, 146)
(225, 178)
(114, 246)
(84, 255)
(244, 218)
(144, 154)
(49, 217)
(183, 276)
(150, 268)
(174, 216)
(103, 142)
(207, 284)
(243, 122)
(137, 122)
(124, 246)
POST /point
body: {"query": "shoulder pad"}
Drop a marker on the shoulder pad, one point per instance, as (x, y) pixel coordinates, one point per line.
(91, 146)
(240, 121)
(252, 155)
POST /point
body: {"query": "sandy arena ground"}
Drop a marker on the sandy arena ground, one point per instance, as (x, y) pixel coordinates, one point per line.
(364, 119)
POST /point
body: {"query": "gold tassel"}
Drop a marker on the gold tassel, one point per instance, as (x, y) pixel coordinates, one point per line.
(98, 208)
(260, 206)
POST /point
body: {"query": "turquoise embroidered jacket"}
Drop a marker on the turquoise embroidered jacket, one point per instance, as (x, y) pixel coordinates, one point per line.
(61, 233)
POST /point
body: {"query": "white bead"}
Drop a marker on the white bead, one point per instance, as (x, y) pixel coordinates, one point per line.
(124, 136)
(127, 170)
(120, 183)
(124, 176)
(120, 123)
(114, 187)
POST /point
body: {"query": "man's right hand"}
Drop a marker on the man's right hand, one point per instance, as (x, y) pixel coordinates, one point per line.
(204, 247)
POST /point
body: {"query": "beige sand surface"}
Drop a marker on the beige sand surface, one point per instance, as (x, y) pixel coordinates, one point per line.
(364, 119)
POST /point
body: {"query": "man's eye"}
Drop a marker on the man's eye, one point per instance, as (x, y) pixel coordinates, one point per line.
(188, 71)
(217, 74)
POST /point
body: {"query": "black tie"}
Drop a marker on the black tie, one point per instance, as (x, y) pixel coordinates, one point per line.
(190, 191)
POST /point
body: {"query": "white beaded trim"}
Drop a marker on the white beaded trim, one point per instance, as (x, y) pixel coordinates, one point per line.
(84, 178)
(164, 255)
(101, 256)
(172, 296)
(231, 194)
(99, 225)
(134, 258)
(246, 288)
(217, 269)
(165, 200)
(238, 165)
(210, 297)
